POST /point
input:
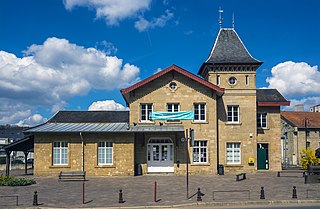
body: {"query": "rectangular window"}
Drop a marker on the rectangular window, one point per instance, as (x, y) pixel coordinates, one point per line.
(218, 80)
(233, 114)
(247, 80)
(173, 107)
(60, 153)
(105, 153)
(233, 153)
(200, 152)
(262, 120)
(145, 112)
(200, 112)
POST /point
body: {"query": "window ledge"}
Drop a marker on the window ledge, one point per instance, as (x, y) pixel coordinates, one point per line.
(199, 122)
(104, 166)
(59, 166)
(233, 123)
(147, 123)
(233, 165)
(200, 164)
(169, 122)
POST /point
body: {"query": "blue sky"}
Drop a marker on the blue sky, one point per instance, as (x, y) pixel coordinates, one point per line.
(76, 54)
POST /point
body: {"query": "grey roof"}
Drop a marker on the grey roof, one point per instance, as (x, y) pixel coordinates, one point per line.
(228, 48)
(269, 95)
(79, 127)
(90, 117)
(100, 127)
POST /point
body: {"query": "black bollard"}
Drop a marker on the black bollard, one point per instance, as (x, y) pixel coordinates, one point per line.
(294, 192)
(121, 196)
(278, 175)
(35, 198)
(262, 197)
(199, 194)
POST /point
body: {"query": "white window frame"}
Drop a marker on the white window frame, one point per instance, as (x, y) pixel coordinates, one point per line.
(234, 108)
(146, 112)
(260, 120)
(104, 147)
(173, 110)
(232, 151)
(60, 153)
(201, 149)
(197, 111)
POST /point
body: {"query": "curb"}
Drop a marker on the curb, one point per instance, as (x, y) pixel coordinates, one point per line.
(213, 204)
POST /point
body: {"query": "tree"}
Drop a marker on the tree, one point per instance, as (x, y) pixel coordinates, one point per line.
(308, 157)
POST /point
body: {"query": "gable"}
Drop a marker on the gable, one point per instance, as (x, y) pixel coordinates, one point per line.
(164, 77)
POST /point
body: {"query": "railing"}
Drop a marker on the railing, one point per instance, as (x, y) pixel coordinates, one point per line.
(16, 197)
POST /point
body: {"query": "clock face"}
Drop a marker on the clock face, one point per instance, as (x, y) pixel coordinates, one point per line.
(232, 80)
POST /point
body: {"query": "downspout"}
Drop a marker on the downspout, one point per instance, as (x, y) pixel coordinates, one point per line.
(82, 154)
(217, 131)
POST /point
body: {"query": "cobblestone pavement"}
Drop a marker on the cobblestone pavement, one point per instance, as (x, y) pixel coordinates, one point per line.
(171, 190)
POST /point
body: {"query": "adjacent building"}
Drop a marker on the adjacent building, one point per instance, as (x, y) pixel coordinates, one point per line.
(300, 130)
(176, 119)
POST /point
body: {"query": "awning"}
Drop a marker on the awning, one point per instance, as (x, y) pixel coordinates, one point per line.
(25, 144)
(181, 115)
(100, 127)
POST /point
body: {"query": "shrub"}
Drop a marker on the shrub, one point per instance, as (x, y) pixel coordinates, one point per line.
(13, 181)
(308, 157)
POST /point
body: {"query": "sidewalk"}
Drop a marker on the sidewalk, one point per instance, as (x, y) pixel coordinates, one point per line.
(171, 191)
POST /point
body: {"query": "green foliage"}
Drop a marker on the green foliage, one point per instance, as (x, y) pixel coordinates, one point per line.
(13, 181)
(308, 157)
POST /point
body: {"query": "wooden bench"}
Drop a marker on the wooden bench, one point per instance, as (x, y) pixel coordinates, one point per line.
(72, 175)
(241, 176)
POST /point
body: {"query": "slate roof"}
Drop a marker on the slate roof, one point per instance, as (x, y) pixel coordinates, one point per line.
(90, 117)
(228, 48)
(297, 119)
(270, 97)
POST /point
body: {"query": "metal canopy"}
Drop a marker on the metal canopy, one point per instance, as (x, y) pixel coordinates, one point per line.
(100, 127)
(25, 145)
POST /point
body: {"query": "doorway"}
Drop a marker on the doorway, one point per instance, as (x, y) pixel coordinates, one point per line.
(263, 156)
(160, 155)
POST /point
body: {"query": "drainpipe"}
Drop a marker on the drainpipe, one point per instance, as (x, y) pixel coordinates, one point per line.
(217, 130)
(82, 154)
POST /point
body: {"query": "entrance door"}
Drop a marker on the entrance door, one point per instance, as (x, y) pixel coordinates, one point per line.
(263, 157)
(160, 156)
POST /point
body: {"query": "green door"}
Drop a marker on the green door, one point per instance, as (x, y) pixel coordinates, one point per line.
(263, 157)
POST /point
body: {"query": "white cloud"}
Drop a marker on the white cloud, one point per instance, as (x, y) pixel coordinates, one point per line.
(306, 102)
(295, 79)
(142, 24)
(107, 105)
(112, 11)
(51, 73)
(158, 70)
(33, 120)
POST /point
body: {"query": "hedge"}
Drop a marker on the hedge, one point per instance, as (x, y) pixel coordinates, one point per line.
(13, 181)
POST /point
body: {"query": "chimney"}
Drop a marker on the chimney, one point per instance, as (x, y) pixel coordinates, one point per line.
(299, 108)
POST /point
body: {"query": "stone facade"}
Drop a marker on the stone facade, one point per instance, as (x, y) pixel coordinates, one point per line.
(227, 135)
(123, 152)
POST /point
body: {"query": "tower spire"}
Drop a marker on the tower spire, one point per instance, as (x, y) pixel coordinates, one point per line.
(220, 17)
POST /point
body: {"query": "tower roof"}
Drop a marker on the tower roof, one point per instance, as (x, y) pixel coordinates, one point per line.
(229, 49)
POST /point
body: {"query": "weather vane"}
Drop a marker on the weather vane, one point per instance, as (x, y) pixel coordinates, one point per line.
(220, 17)
(233, 20)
